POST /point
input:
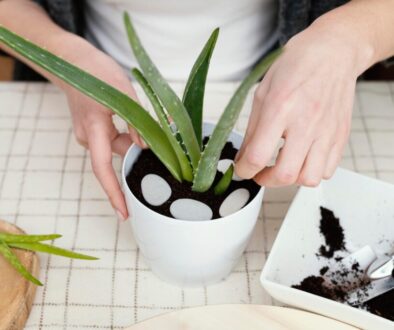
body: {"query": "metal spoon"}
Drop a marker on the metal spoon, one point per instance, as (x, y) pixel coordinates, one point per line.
(381, 268)
(381, 275)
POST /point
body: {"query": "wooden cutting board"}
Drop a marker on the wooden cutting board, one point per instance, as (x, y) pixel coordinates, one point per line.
(16, 293)
(239, 317)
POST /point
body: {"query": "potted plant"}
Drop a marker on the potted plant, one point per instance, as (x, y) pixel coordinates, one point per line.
(182, 176)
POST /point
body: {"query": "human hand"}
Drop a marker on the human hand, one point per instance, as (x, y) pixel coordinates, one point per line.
(307, 98)
(94, 127)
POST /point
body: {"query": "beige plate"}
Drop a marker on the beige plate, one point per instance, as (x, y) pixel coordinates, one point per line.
(239, 317)
(16, 294)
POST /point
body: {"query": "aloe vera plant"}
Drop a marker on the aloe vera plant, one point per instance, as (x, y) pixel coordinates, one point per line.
(33, 243)
(177, 139)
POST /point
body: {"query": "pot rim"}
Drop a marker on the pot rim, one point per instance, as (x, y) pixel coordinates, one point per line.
(181, 221)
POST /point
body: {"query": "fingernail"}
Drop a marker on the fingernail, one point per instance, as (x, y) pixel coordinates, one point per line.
(120, 216)
(143, 142)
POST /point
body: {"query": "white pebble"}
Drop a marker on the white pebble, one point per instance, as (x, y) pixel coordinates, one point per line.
(190, 209)
(234, 202)
(224, 164)
(155, 189)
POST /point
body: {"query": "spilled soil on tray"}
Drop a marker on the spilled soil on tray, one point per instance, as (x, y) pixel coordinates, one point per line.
(336, 283)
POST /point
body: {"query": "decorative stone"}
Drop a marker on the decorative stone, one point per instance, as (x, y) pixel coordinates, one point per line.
(234, 202)
(224, 164)
(190, 209)
(155, 189)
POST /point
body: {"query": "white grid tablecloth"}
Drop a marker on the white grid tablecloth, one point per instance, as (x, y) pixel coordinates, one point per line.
(47, 185)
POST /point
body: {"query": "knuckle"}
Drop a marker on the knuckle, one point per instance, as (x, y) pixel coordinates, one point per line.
(286, 176)
(277, 95)
(280, 97)
(80, 136)
(258, 95)
(312, 117)
(306, 125)
(256, 159)
(279, 110)
(98, 167)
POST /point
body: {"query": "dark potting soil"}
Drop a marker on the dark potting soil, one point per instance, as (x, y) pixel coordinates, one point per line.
(148, 163)
(317, 285)
(333, 234)
(335, 285)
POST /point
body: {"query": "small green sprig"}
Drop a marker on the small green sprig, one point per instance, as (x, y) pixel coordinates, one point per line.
(33, 243)
(224, 182)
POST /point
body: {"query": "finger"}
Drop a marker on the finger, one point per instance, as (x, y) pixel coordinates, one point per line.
(261, 145)
(335, 155)
(101, 156)
(258, 98)
(333, 161)
(336, 152)
(288, 164)
(345, 103)
(82, 142)
(79, 133)
(121, 144)
(136, 138)
(315, 163)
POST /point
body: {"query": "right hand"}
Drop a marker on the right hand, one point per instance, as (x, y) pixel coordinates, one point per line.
(93, 125)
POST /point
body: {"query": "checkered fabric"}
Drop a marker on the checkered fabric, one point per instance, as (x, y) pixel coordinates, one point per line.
(47, 186)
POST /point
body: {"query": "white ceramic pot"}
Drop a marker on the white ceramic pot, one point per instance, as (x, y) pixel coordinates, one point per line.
(190, 253)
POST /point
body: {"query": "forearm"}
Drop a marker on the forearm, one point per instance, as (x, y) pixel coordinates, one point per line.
(30, 21)
(367, 26)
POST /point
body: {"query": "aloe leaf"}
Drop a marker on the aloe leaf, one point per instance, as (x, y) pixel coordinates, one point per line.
(103, 93)
(39, 247)
(15, 262)
(193, 96)
(187, 171)
(224, 181)
(8, 238)
(206, 170)
(166, 95)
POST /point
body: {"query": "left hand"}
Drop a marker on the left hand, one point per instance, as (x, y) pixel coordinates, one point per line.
(307, 98)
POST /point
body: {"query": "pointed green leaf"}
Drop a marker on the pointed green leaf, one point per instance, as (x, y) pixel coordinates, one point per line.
(7, 238)
(166, 95)
(193, 96)
(103, 93)
(15, 262)
(187, 172)
(206, 170)
(39, 247)
(224, 181)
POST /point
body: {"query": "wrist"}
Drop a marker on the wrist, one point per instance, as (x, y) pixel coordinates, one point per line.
(353, 43)
(71, 48)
